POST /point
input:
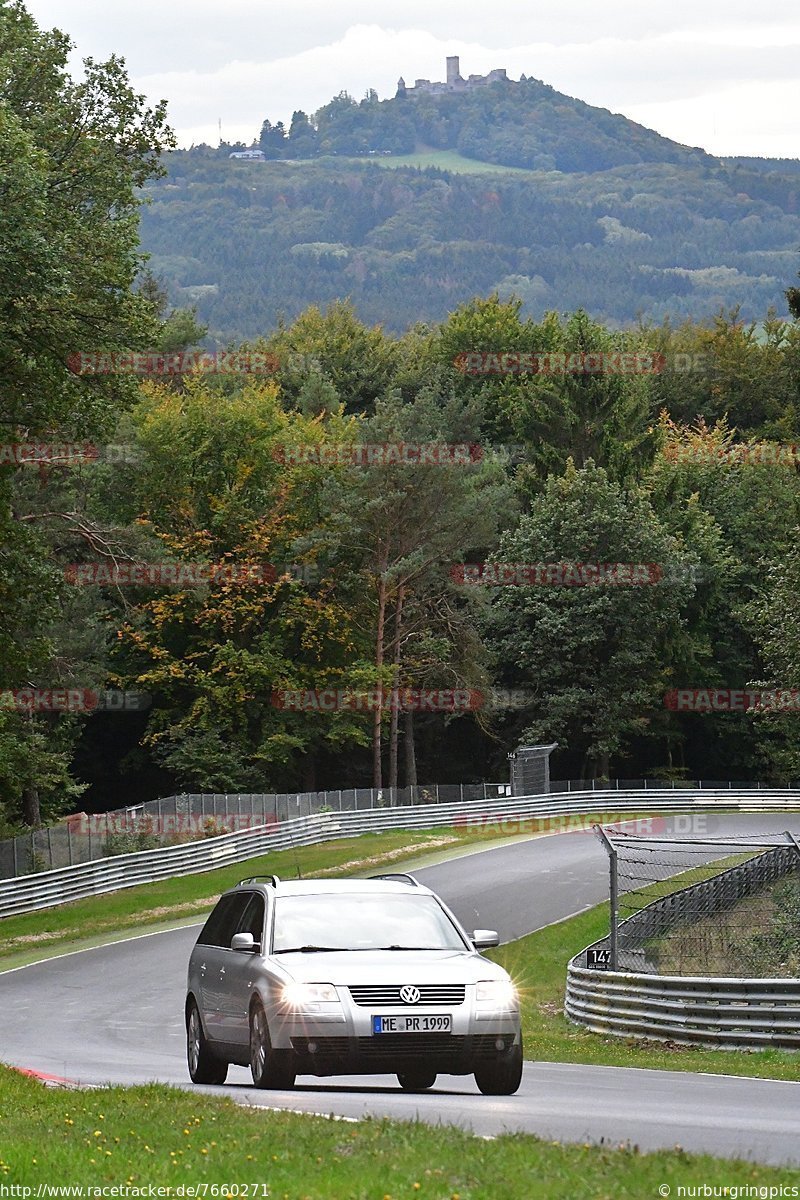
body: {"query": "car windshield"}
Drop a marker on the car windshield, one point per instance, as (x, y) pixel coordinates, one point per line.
(362, 922)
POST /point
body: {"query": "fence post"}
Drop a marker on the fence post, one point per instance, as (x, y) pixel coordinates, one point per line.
(69, 841)
(794, 841)
(613, 892)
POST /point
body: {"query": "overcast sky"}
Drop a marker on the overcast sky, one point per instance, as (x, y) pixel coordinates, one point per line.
(722, 74)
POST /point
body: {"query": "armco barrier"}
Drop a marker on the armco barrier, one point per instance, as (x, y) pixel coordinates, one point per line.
(48, 888)
(735, 1013)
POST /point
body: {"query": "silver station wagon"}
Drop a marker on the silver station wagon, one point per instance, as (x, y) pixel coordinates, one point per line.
(348, 977)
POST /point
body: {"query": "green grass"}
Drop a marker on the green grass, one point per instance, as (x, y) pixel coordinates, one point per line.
(166, 1137)
(538, 963)
(446, 160)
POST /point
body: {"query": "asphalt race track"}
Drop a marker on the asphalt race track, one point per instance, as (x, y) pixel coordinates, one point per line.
(115, 1015)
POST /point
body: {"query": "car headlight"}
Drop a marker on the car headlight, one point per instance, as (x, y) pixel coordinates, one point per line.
(497, 991)
(301, 995)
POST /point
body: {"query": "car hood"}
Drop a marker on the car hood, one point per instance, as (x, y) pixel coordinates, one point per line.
(390, 967)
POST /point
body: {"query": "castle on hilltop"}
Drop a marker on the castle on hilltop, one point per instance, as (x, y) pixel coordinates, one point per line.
(454, 82)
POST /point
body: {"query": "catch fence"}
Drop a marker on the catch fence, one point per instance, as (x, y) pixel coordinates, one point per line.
(715, 906)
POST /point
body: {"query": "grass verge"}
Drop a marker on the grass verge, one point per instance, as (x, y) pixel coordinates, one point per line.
(165, 1137)
(538, 963)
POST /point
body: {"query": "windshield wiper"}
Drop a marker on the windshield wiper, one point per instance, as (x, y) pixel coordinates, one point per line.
(413, 947)
(308, 949)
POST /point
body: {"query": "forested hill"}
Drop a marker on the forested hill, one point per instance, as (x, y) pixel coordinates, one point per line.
(526, 124)
(626, 224)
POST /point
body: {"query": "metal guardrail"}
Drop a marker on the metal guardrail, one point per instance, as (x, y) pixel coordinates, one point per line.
(735, 1013)
(48, 888)
(689, 1009)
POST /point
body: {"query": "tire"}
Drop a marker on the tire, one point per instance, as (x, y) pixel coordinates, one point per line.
(502, 1076)
(269, 1068)
(204, 1066)
(416, 1081)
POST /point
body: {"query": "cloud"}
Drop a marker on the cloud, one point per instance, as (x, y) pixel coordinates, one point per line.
(705, 72)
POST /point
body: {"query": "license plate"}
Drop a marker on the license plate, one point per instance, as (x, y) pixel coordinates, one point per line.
(412, 1023)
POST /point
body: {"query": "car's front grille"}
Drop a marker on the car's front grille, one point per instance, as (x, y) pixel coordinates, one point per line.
(368, 995)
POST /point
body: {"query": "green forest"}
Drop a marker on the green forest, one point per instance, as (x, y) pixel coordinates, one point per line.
(523, 191)
(347, 572)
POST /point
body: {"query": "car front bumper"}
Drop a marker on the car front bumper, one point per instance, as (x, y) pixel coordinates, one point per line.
(338, 1038)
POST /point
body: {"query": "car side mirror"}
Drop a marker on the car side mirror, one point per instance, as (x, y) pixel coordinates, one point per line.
(246, 942)
(482, 939)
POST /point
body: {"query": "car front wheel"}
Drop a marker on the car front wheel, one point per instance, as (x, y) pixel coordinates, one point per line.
(204, 1067)
(269, 1068)
(503, 1076)
(416, 1081)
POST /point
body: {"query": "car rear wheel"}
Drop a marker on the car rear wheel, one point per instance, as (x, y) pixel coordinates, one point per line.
(503, 1076)
(416, 1081)
(269, 1068)
(204, 1066)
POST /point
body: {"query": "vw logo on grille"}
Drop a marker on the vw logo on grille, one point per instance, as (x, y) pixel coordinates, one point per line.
(409, 995)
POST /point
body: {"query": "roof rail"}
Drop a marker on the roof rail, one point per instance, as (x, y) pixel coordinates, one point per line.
(272, 880)
(400, 876)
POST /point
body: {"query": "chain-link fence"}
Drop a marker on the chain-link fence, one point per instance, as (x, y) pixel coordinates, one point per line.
(703, 907)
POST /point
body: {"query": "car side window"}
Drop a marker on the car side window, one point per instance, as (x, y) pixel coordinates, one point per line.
(224, 920)
(252, 919)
